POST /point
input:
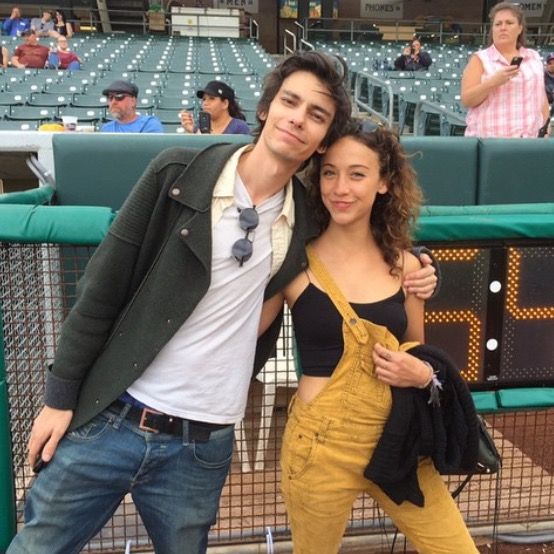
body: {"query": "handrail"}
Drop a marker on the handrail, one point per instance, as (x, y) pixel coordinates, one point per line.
(309, 45)
(302, 29)
(436, 30)
(254, 24)
(388, 120)
(419, 125)
(286, 49)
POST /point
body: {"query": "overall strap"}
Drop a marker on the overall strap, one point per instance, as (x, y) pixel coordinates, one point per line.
(341, 304)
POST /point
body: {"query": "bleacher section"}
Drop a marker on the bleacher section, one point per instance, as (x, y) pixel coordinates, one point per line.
(167, 70)
(433, 95)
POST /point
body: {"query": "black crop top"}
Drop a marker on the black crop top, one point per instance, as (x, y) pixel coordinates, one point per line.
(318, 327)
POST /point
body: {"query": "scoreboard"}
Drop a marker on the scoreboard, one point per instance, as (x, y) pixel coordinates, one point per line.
(494, 313)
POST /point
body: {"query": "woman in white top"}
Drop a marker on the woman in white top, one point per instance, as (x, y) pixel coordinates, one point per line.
(502, 85)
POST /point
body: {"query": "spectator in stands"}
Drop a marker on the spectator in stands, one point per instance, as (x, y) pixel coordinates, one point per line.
(153, 366)
(549, 77)
(4, 57)
(43, 26)
(31, 53)
(122, 103)
(503, 85)
(62, 27)
(15, 25)
(61, 57)
(365, 197)
(413, 58)
(218, 99)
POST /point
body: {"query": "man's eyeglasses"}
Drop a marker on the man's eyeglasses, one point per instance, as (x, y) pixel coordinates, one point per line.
(119, 96)
(242, 249)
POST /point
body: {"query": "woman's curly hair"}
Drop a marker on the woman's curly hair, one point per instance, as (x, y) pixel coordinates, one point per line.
(394, 213)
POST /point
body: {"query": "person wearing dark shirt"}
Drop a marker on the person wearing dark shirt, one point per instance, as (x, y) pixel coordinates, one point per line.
(62, 27)
(413, 58)
(218, 99)
(31, 53)
(549, 77)
(355, 323)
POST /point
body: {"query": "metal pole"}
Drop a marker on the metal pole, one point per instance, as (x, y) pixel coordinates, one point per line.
(7, 491)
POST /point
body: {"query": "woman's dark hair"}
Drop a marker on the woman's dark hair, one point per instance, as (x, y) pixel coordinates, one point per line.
(330, 70)
(518, 13)
(394, 213)
(234, 109)
(62, 13)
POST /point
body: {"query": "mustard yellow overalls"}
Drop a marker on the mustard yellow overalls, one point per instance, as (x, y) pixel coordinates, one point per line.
(328, 442)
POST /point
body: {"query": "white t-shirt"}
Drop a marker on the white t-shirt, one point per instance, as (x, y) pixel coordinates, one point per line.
(203, 373)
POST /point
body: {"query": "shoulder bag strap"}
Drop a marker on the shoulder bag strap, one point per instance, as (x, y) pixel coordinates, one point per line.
(330, 287)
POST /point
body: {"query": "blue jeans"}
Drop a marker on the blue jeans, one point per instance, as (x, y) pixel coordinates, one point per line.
(54, 63)
(175, 485)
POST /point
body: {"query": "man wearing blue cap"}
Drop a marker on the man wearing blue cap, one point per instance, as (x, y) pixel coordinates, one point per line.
(122, 103)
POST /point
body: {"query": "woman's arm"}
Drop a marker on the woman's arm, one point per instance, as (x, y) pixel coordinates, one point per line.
(475, 92)
(400, 369)
(69, 29)
(270, 310)
(400, 62)
(425, 59)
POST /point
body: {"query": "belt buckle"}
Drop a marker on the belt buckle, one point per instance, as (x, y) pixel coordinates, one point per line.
(143, 416)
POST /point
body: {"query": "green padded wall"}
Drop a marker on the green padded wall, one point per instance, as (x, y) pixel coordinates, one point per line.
(446, 168)
(515, 171)
(96, 169)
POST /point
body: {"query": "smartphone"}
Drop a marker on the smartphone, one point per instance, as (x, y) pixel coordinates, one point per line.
(39, 464)
(516, 60)
(204, 122)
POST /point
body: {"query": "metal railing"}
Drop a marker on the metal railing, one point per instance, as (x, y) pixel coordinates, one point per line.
(447, 117)
(286, 48)
(439, 31)
(363, 77)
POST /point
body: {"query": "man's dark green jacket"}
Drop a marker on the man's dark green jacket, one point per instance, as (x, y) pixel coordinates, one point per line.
(146, 278)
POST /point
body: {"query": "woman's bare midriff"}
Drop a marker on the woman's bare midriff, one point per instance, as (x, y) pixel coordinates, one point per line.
(309, 387)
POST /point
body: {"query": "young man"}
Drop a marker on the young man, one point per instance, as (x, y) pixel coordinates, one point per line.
(62, 57)
(122, 103)
(31, 53)
(153, 366)
(43, 26)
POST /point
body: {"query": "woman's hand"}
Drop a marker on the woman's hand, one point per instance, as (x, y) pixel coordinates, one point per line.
(502, 76)
(400, 369)
(187, 121)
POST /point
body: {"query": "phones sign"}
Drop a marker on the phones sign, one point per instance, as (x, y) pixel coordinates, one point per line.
(382, 9)
(250, 6)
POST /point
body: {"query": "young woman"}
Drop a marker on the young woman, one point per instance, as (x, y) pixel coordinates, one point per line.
(352, 321)
(226, 117)
(62, 27)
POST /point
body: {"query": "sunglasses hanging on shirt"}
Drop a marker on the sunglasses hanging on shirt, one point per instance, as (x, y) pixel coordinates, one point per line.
(242, 249)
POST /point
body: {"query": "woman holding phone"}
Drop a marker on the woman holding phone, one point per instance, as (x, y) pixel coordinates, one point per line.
(220, 115)
(502, 85)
